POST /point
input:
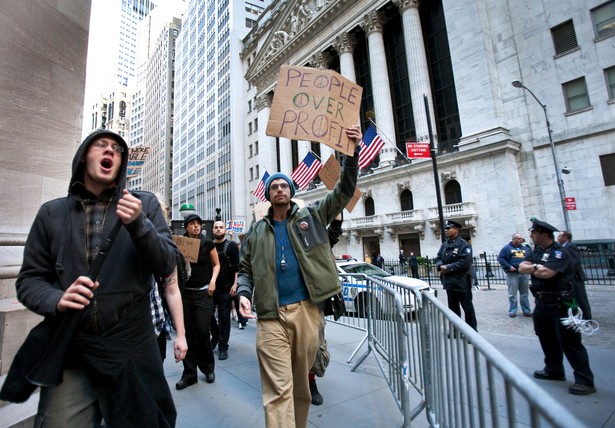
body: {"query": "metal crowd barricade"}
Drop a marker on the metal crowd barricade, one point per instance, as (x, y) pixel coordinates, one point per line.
(433, 361)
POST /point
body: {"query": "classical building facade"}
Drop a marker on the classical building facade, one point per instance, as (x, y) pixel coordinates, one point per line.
(453, 61)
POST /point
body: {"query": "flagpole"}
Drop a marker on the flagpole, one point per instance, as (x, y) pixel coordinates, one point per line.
(432, 150)
(387, 139)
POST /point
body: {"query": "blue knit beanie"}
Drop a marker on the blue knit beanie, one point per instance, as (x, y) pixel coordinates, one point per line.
(275, 177)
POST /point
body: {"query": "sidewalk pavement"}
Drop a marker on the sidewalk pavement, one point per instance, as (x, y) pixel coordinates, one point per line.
(362, 398)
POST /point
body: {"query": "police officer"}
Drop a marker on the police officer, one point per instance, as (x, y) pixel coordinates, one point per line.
(454, 262)
(552, 273)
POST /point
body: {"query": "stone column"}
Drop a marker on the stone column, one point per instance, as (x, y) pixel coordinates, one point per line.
(322, 60)
(418, 72)
(267, 157)
(344, 46)
(286, 156)
(383, 106)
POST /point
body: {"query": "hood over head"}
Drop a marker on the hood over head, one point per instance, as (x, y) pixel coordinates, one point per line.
(78, 160)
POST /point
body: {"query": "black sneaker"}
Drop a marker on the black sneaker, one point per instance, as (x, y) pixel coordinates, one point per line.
(222, 355)
(210, 377)
(185, 383)
(316, 397)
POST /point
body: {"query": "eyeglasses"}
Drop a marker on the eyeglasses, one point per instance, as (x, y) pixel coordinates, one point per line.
(101, 145)
(282, 186)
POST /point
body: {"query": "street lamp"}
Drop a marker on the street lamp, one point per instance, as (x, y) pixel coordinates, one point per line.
(560, 182)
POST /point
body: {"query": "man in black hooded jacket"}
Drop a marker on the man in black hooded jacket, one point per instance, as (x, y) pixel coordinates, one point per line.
(113, 369)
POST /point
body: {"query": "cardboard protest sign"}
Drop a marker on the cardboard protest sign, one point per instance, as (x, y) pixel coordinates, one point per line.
(189, 247)
(235, 226)
(330, 174)
(136, 158)
(315, 105)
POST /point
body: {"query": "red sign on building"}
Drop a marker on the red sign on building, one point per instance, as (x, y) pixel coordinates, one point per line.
(417, 150)
(571, 204)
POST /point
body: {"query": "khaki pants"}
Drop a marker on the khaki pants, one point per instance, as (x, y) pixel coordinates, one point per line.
(73, 403)
(286, 348)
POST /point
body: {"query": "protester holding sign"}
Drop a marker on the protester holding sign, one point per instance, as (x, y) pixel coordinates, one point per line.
(287, 267)
(198, 307)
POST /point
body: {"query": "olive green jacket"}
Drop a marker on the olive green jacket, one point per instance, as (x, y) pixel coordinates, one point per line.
(308, 236)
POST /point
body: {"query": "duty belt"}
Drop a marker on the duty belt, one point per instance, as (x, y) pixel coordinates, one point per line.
(549, 294)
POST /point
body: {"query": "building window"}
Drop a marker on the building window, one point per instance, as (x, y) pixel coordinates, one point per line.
(564, 38)
(604, 19)
(575, 93)
(250, 128)
(369, 207)
(406, 201)
(452, 193)
(609, 76)
(255, 124)
(607, 162)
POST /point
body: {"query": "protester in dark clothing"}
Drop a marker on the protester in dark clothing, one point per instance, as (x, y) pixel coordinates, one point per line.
(377, 259)
(552, 272)
(113, 368)
(414, 265)
(454, 262)
(198, 307)
(334, 231)
(226, 289)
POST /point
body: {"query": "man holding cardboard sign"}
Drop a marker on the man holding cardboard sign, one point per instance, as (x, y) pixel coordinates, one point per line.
(287, 257)
(315, 105)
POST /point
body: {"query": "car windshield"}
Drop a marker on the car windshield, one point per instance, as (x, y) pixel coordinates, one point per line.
(365, 268)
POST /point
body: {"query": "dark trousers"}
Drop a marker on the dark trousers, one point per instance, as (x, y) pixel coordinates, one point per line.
(415, 271)
(557, 340)
(221, 330)
(198, 307)
(463, 299)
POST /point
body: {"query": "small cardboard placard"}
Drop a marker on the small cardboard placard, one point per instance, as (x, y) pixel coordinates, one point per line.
(315, 105)
(330, 174)
(189, 247)
(136, 158)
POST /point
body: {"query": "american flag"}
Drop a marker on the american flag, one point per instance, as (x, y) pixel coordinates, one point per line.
(260, 189)
(306, 170)
(370, 147)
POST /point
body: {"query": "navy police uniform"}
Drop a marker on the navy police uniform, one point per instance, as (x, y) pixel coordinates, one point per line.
(456, 254)
(553, 297)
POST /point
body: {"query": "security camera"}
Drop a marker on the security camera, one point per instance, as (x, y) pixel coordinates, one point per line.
(566, 170)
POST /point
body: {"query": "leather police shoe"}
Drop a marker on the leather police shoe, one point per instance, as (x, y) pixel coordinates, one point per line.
(222, 355)
(185, 383)
(210, 377)
(578, 389)
(545, 375)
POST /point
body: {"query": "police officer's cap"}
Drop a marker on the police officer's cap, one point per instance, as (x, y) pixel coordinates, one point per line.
(542, 226)
(192, 217)
(451, 223)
